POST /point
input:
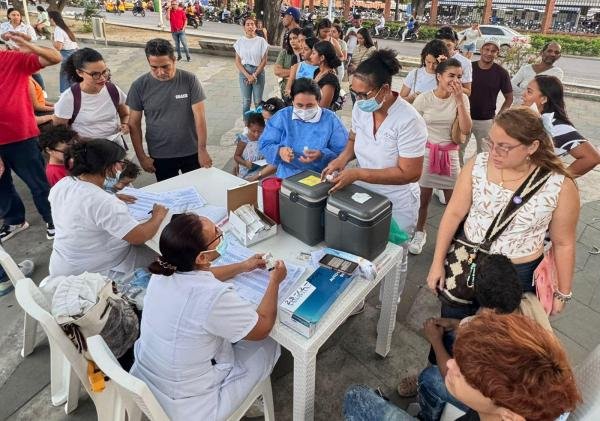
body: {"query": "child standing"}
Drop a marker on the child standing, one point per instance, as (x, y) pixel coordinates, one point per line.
(247, 151)
(54, 142)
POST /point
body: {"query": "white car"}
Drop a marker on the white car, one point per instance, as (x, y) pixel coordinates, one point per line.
(505, 35)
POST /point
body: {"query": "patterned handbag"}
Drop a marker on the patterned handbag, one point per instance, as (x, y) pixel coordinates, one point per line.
(463, 255)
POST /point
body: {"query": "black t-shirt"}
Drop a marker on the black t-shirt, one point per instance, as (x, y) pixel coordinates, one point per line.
(485, 88)
(330, 79)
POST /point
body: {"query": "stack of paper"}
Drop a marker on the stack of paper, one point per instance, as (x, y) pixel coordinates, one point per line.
(178, 201)
(252, 285)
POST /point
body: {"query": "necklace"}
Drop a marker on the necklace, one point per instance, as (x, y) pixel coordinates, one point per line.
(502, 180)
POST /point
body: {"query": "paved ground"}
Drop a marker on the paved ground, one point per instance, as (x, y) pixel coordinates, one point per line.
(349, 356)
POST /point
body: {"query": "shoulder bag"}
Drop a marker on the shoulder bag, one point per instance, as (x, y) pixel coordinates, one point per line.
(463, 255)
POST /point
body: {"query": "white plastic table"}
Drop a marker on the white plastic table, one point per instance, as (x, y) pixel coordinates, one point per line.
(212, 184)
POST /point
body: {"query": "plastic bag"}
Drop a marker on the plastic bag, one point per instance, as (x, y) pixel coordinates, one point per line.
(397, 235)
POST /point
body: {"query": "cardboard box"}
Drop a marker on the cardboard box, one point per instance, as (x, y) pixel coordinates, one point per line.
(247, 195)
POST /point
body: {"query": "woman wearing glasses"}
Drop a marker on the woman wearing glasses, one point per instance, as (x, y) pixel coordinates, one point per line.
(94, 230)
(93, 106)
(518, 144)
(202, 348)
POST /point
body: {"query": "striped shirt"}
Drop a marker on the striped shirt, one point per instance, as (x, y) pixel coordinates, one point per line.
(565, 137)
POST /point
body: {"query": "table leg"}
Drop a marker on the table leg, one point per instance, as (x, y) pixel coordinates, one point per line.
(392, 285)
(304, 386)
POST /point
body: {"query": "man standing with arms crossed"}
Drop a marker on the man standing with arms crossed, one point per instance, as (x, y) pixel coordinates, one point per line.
(178, 19)
(489, 79)
(172, 103)
(19, 150)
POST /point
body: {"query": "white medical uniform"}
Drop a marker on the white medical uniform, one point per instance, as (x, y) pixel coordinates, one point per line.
(402, 134)
(90, 225)
(187, 352)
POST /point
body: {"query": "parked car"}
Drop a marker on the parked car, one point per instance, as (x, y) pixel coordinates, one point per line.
(506, 36)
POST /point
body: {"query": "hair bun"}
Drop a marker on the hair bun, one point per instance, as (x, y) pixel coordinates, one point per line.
(388, 59)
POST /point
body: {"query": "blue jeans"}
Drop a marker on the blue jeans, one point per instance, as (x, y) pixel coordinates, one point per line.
(65, 83)
(179, 39)
(254, 91)
(25, 159)
(362, 403)
(433, 394)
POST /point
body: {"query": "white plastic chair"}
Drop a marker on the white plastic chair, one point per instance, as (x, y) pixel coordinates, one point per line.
(134, 396)
(31, 299)
(29, 325)
(587, 375)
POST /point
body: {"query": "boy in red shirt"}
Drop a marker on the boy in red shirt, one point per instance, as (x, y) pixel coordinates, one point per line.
(54, 142)
(176, 15)
(19, 150)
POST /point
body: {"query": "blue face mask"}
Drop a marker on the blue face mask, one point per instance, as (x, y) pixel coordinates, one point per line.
(110, 182)
(221, 248)
(369, 105)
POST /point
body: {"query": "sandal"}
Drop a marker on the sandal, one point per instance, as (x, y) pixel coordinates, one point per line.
(407, 388)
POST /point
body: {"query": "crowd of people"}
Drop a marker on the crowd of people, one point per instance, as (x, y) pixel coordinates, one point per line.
(201, 347)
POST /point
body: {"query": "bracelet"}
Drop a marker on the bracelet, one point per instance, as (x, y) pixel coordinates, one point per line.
(565, 298)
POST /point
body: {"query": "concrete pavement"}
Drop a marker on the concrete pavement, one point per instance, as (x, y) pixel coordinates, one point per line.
(349, 355)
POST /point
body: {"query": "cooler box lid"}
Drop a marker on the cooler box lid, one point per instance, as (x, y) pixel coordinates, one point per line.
(358, 202)
(307, 184)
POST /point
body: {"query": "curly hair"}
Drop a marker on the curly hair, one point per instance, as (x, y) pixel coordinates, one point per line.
(516, 363)
(498, 286)
(525, 125)
(435, 48)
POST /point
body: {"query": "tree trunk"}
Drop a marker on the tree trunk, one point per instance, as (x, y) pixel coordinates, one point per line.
(269, 12)
(57, 5)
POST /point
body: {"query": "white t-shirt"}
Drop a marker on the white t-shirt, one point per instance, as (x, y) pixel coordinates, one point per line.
(471, 35)
(191, 318)
(97, 117)
(467, 67)
(251, 50)
(352, 42)
(439, 115)
(525, 75)
(61, 36)
(90, 225)
(425, 81)
(403, 134)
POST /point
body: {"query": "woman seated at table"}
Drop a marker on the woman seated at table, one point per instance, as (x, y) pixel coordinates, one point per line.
(304, 136)
(94, 230)
(202, 348)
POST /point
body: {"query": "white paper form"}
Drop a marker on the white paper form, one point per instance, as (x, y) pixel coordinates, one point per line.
(144, 203)
(252, 285)
(185, 199)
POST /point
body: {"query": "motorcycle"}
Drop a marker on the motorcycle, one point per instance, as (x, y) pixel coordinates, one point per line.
(192, 21)
(138, 10)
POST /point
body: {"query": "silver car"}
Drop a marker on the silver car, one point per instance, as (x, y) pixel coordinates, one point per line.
(506, 36)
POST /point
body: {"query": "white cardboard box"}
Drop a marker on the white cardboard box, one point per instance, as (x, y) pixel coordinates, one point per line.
(243, 195)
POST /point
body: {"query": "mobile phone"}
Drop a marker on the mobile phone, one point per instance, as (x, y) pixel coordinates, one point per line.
(339, 264)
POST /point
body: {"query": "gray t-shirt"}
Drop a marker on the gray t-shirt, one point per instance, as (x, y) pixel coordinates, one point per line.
(167, 106)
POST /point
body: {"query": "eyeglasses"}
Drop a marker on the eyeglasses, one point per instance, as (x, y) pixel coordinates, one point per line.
(268, 107)
(218, 237)
(57, 150)
(501, 150)
(360, 95)
(97, 75)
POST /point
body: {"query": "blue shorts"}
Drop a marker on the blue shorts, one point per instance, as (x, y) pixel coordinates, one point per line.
(469, 48)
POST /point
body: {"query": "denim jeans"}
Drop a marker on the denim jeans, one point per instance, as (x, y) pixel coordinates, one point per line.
(362, 403)
(254, 91)
(39, 79)
(25, 159)
(63, 78)
(433, 394)
(179, 38)
(525, 274)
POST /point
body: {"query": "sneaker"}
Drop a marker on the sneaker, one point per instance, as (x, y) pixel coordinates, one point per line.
(7, 231)
(178, 58)
(440, 195)
(50, 231)
(189, 59)
(418, 241)
(256, 410)
(5, 288)
(407, 388)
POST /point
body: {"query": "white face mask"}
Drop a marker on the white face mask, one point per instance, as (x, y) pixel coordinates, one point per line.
(306, 114)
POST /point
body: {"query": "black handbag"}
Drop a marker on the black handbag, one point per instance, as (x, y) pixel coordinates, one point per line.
(463, 255)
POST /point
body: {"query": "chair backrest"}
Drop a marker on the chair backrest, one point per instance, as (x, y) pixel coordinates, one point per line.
(130, 388)
(587, 375)
(10, 267)
(31, 299)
